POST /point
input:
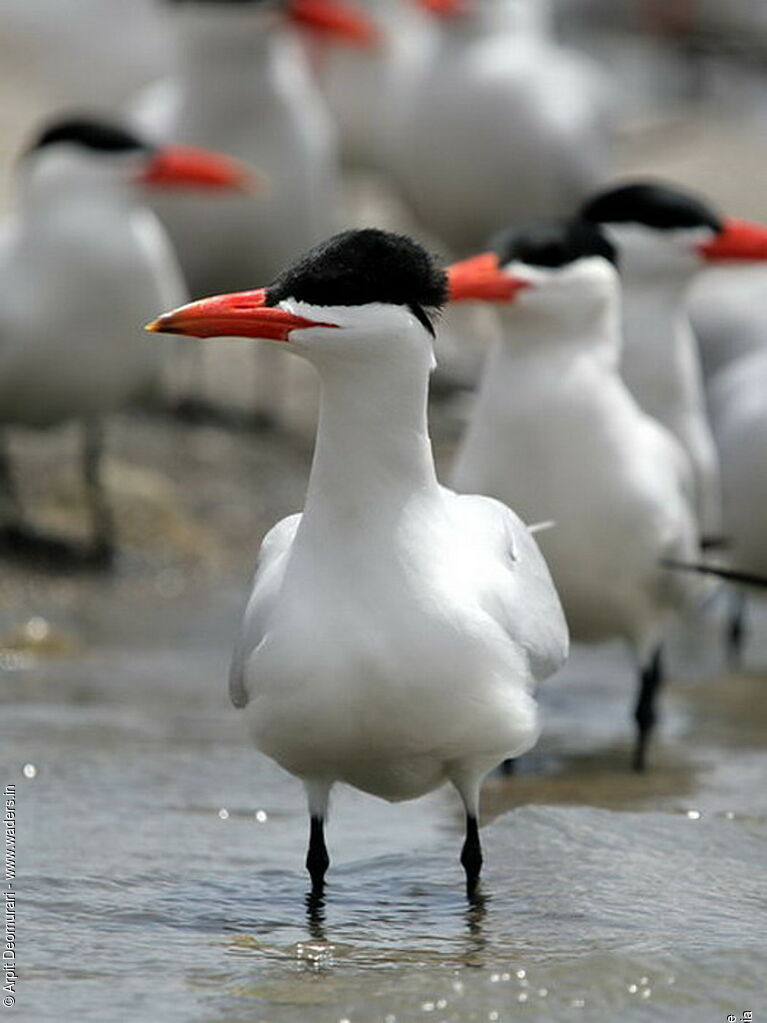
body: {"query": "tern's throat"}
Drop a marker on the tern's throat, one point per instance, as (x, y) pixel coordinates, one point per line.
(372, 454)
(657, 334)
(228, 60)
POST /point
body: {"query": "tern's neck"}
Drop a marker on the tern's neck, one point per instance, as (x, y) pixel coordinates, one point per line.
(218, 51)
(655, 321)
(525, 18)
(44, 201)
(373, 454)
(590, 333)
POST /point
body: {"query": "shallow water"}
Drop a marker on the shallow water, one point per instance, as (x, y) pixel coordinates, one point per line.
(160, 858)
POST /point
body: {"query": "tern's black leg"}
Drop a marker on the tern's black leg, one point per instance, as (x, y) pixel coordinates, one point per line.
(471, 854)
(317, 859)
(103, 547)
(650, 681)
(736, 629)
(10, 504)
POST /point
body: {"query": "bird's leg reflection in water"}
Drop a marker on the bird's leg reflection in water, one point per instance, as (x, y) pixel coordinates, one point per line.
(10, 505)
(736, 629)
(475, 918)
(103, 546)
(315, 915)
(651, 680)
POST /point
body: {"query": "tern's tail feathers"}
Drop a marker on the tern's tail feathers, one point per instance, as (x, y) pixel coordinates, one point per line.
(731, 575)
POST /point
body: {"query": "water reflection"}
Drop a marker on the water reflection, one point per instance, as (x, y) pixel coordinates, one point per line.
(475, 915)
(315, 915)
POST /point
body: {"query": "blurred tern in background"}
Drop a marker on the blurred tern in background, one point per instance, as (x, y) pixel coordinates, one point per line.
(396, 630)
(82, 262)
(94, 53)
(365, 89)
(556, 434)
(501, 125)
(665, 236)
(242, 84)
(738, 403)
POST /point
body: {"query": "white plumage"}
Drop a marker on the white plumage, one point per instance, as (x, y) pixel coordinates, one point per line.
(395, 631)
(500, 125)
(83, 263)
(241, 84)
(738, 402)
(556, 434)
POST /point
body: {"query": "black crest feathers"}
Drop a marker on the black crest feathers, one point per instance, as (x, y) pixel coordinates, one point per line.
(91, 133)
(363, 266)
(663, 207)
(552, 243)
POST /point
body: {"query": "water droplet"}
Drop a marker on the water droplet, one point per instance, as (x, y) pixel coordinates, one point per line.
(647, 992)
(522, 996)
(632, 989)
(428, 1006)
(458, 987)
(390, 1018)
(505, 976)
(730, 815)
(643, 980)
(521, 973)
(694, 815)
(262, 816)
(495, 978)
(37, 629)
(671, 979)
(29, 770)
(542, 992)
(223, 814)
(493, 1015)
(442, 1003)
(578, 1003)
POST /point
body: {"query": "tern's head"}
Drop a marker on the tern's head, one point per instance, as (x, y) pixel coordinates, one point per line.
(664, 233)
(93, 153)
(333, 19)
(557, 268)
(360, 295)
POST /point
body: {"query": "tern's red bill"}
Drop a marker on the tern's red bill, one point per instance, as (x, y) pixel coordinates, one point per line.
(241, 314)
(445, 8)
(480, 279)
(740, 240)
(190, 167)
(336, 20)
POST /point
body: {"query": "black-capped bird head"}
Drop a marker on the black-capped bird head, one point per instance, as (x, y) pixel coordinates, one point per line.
(566, 267)
(363, 292)
(89, 151)
(663, 231)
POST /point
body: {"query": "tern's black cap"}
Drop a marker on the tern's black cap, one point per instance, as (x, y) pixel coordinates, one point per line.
(363, 266)
(91, 133)
(552, 243)
(652, 204)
